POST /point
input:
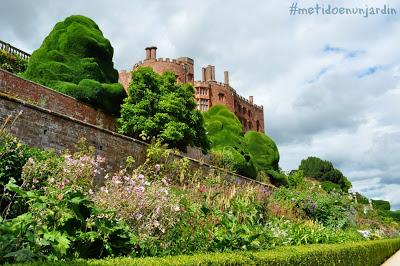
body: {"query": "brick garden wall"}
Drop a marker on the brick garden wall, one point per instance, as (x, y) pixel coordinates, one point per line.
(37, 94)
(61, 128)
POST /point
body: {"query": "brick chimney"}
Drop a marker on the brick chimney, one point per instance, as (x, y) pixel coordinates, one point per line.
(209, 73)
(226, 77)
(203, 74)
(151, 53)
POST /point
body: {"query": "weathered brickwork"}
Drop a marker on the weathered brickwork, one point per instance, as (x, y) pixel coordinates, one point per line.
(46, 129)
(47, 98)
(208, 91)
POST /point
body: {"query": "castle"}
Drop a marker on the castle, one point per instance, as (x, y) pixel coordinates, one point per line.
(208, 91)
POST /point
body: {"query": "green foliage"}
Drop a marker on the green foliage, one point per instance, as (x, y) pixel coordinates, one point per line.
(330, 209)
(263, 151)
(13, 156)
(278, 178)
(12, 63)
(159, 107)
(329, 186)
(296, 179)
(76, 59)
(226, 135)
(381, 205)
(362, 199)
(61, 221)
(323, 170)
(365, 253)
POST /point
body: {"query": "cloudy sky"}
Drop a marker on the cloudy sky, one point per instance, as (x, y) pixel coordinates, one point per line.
(330, 85)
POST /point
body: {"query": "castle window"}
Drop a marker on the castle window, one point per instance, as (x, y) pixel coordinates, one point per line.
(203, 106)
(244, 110)
(249, 113)
(258, 125)
(221, 97)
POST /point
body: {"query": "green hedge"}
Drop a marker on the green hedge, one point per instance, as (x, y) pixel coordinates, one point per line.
(364, 253)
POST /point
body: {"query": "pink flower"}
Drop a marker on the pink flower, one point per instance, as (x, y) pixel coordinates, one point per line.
(202, 189)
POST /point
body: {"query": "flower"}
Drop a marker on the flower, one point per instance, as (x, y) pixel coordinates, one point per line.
(158, 167)
(202, 189)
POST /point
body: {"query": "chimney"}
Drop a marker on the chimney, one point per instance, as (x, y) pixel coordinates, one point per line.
(251, 99)
(148, 53)
(203, 74)
(151, 52)
(226, 77)
(212, 72)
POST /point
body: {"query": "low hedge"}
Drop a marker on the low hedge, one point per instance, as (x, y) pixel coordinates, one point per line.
(364, 253)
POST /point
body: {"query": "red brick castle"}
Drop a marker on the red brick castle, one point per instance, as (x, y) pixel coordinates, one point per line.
(208, 91)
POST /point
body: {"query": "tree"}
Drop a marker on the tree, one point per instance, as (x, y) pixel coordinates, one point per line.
(76, 59)
(159, 107)
(225, 133)
(323, 170)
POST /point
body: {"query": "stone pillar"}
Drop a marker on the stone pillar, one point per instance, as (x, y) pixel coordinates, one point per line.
(226, 77)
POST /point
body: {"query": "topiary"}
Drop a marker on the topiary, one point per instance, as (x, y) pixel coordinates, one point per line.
(226, 136)
(263, 151)
(76, 59)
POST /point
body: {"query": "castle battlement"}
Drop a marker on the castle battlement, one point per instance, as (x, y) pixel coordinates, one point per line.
(208, 91)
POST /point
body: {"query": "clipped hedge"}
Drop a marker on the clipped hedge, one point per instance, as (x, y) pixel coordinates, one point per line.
(366, 253)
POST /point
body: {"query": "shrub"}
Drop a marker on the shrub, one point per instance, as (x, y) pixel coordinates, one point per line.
(13, 156)
(61, 221)
(225, 133)
(278, 178)
(76, 59)
(362, 199)
(329, 186)
(364, 253)
(158, 107)
(12, 63)
(323, 170)
(296, 179)
(263, 151)
(381, 205)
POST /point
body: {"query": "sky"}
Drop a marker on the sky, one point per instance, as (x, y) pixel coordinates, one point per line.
(329, 84)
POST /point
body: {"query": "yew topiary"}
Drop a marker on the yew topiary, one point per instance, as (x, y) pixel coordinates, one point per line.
(76, 59)
(225, 133)
(263, 151)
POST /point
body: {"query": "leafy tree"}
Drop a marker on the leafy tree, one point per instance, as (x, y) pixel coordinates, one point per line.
(159, 107)
(323, 170)
(381, 205)
(263, 151)
(225, 133)
(76, 59)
